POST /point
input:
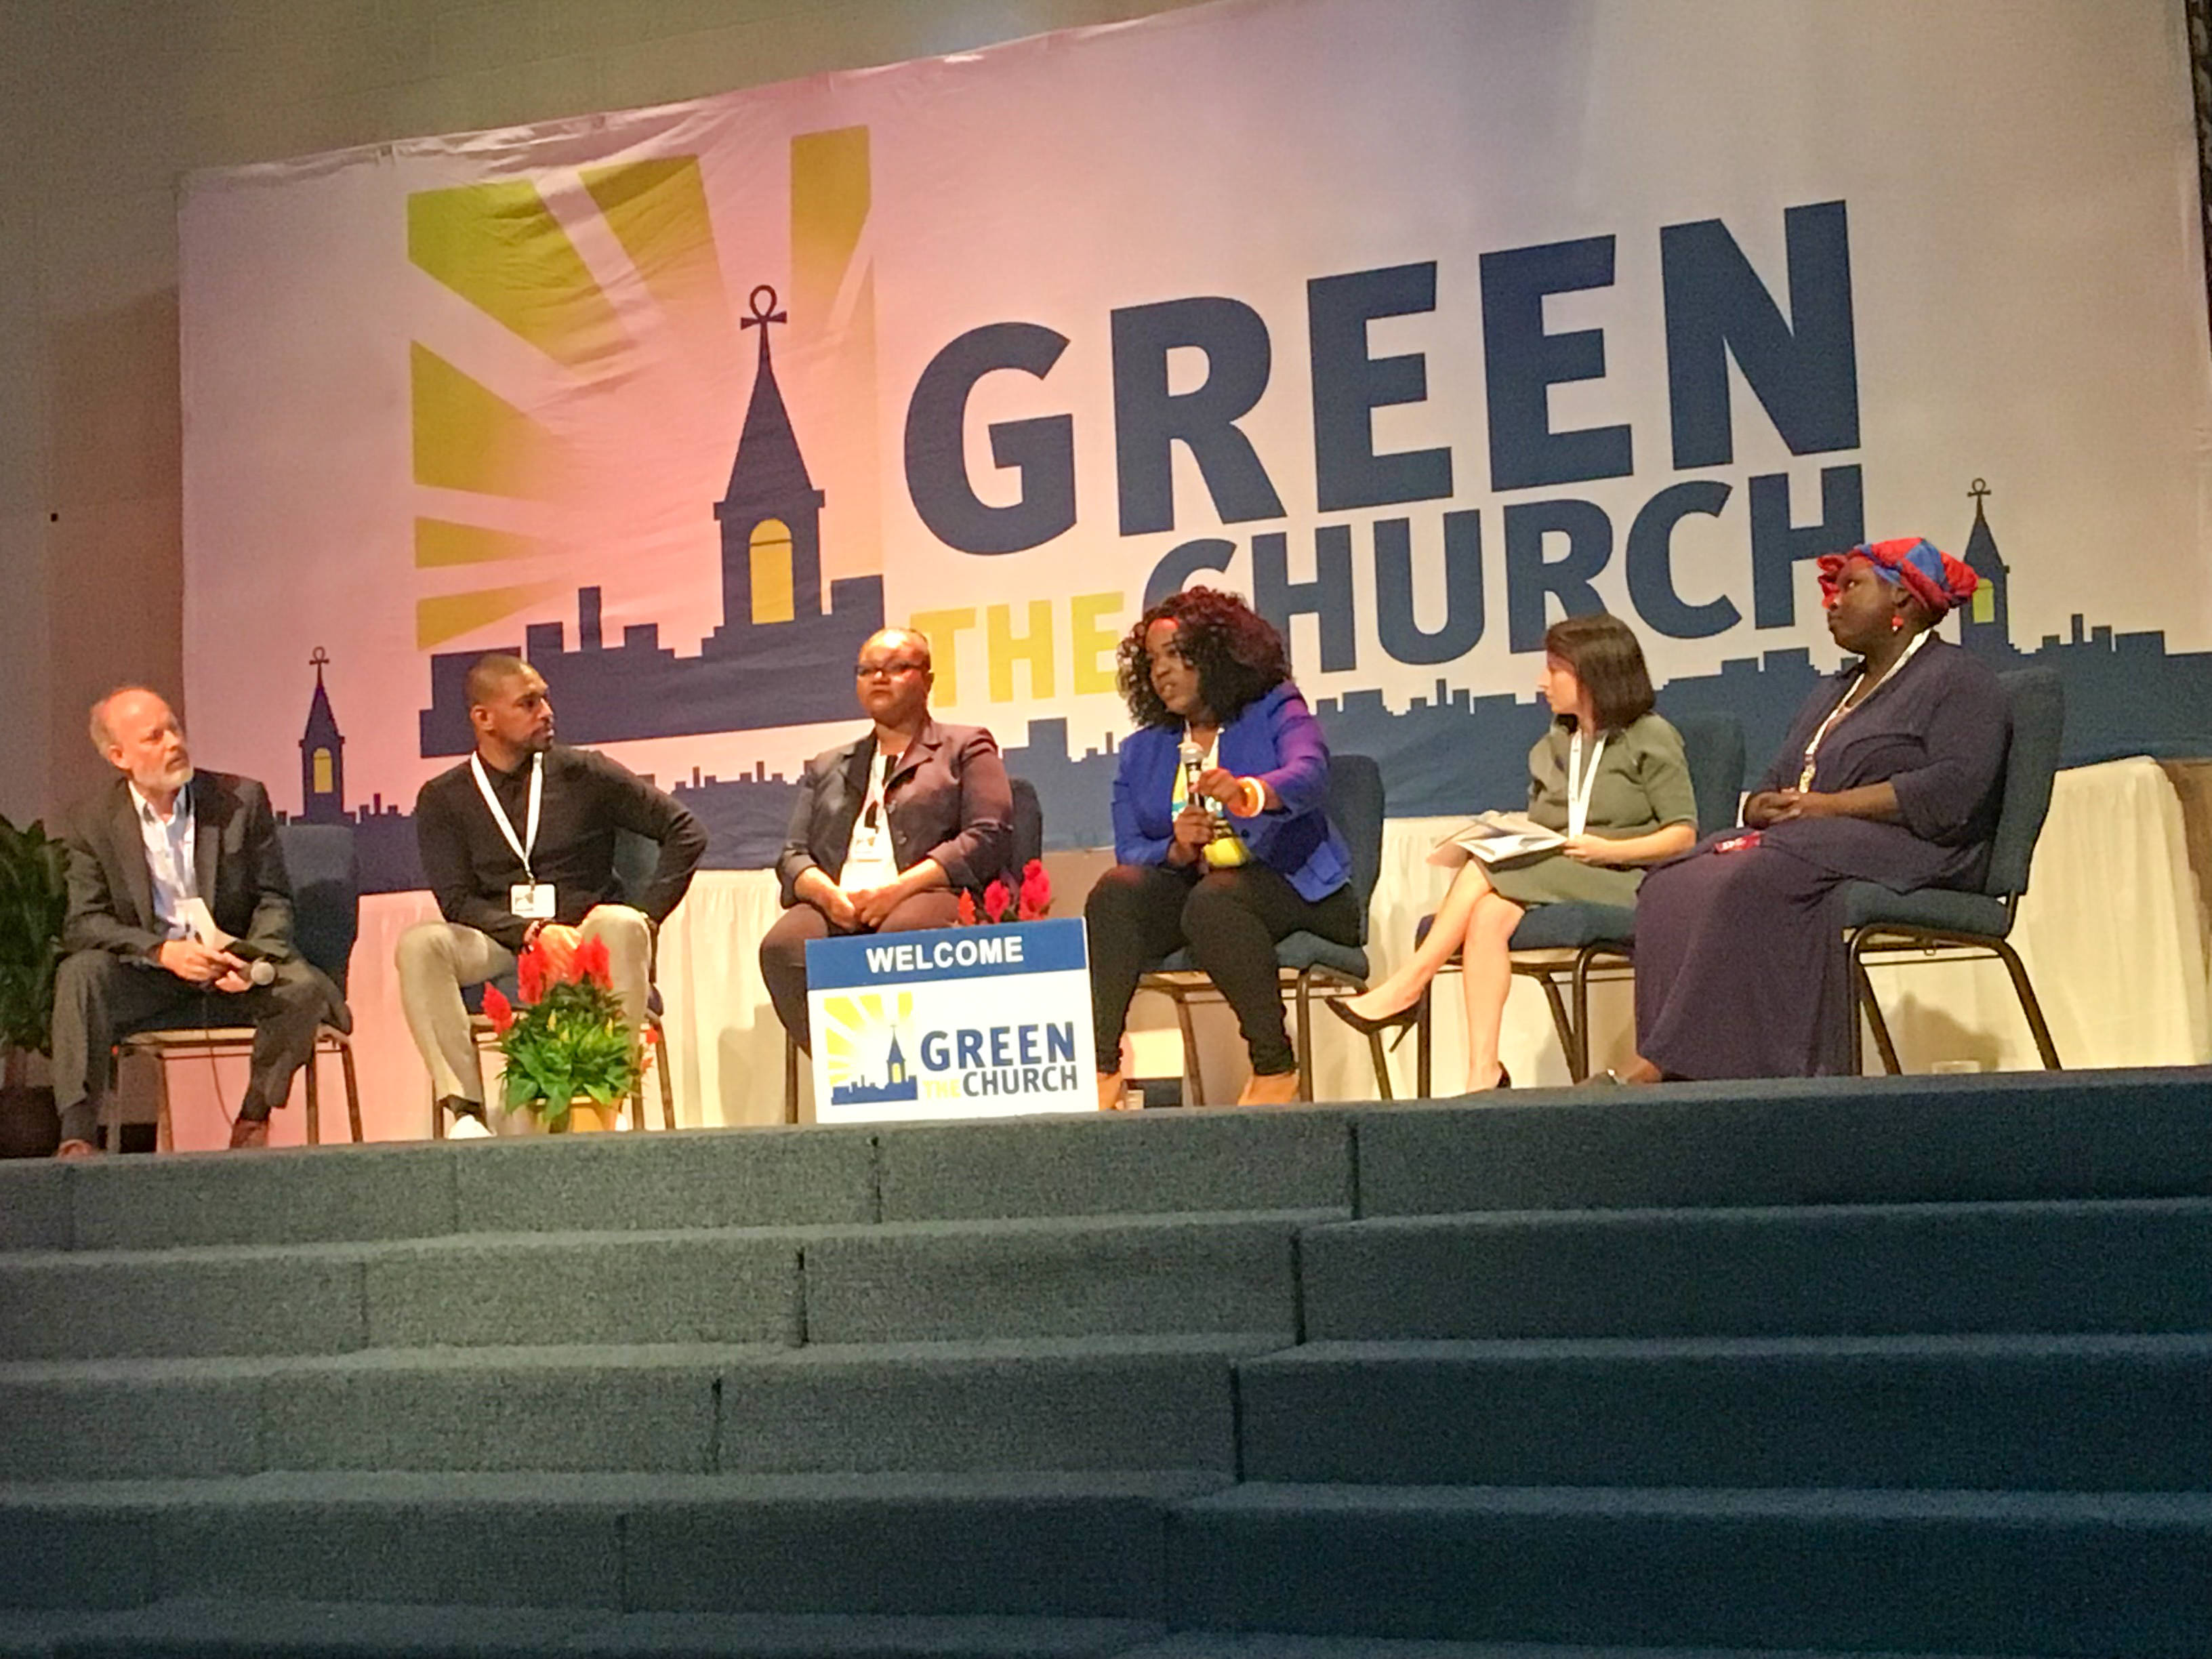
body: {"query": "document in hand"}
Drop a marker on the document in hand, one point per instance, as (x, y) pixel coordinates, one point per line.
(1495, 837)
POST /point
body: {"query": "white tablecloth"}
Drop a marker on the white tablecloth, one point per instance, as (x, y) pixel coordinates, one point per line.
(2108, 930)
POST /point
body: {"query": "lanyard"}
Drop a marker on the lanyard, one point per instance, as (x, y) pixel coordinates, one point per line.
(528, 843)
(1580, 788)
(879, 785)
(1848, 702)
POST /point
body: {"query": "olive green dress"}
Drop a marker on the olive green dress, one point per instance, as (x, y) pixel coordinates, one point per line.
(1643, 785)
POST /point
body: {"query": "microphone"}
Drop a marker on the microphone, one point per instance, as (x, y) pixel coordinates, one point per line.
(260, 965)
(1194, 766)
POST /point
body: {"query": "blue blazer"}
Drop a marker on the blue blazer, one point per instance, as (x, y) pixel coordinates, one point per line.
(1275, 739)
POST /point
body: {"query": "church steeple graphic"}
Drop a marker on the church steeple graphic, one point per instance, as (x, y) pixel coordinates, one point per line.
(1985, 624)
(322, 756)
(771, 514)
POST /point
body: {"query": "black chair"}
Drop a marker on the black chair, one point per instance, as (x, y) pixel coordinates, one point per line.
(1309, 965)
(1029, 843)
(1557, 944)
(635, 857)
(1893, 927)
(320, 861)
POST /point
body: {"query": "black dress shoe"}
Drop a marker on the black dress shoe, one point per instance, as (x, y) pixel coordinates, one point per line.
(1401, 1022)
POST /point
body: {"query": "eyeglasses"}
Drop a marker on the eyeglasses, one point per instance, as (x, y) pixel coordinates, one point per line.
(884, 670)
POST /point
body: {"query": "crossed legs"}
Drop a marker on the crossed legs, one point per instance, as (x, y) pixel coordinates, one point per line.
(1475, 921)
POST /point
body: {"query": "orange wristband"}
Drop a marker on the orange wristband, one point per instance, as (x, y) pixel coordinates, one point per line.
(1253, 801)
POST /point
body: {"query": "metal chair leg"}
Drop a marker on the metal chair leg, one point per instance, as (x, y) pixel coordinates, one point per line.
(1862, 987)
(1305, 1036)
(1561, 1022)
(2046, 1049)
(1424, 1077)
(165, 1139)
(667, 1087)
(1190, 1065)
(352, 1090)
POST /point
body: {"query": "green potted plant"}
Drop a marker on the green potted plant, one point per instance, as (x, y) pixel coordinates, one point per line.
(33, 900)
(570, 1057)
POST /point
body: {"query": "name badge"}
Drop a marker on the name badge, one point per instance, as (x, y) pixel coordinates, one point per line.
(531, 901)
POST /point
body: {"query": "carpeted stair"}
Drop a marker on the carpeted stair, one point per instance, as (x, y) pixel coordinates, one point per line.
(1915, 1366)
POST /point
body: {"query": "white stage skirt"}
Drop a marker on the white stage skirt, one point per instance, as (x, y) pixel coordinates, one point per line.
(2112, 930)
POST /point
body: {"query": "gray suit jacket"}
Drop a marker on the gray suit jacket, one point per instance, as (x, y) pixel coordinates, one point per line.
(948, 800)
(236, 857)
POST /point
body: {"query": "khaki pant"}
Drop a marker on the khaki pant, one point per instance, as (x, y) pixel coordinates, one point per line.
(437, 958)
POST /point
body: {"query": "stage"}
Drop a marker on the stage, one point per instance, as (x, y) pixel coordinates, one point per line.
(2114, 931)
(1898, 1365)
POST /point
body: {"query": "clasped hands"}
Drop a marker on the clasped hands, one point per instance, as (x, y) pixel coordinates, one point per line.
(1770, 806)
(865, 907)
(199, 964)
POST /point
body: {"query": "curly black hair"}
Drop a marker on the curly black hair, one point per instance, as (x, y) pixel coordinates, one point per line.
(1239, 657)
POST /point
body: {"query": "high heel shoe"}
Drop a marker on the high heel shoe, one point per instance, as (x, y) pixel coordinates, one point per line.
(1401, 1022)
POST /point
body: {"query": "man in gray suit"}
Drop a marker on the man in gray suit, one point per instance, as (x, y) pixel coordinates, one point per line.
(890, 829)
(177, 898)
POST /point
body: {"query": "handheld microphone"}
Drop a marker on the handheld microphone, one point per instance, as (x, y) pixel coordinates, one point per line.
(1194, 767)
(260, 965)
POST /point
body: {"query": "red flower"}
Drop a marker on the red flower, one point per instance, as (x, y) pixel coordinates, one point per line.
(1036, 891)
(530, 975)
(966, 909)
(498, 1010)
(997, 902)
(592, 963)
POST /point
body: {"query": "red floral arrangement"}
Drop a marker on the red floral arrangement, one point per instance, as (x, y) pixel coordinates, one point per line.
(1030, 900)
(568, 1040)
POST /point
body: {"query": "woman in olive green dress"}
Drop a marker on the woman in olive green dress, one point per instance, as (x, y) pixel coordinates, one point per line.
(1608, 775)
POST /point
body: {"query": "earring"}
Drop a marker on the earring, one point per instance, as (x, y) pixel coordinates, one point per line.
(1896, 622)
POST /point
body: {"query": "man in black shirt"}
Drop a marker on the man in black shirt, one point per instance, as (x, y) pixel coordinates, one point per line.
(518, 844)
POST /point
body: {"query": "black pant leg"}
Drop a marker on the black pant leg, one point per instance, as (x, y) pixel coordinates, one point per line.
(284, 1015)
(97, 997)
(1133, 917)
(783, 966)
(1233, 919)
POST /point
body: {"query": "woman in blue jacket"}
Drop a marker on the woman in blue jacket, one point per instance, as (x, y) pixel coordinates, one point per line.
(1250, 860)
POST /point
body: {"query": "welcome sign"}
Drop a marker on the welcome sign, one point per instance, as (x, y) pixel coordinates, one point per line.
(1420, 322)
(970, 1022)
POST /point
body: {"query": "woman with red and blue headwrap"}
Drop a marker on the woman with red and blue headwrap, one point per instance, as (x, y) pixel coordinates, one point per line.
(1890, 774)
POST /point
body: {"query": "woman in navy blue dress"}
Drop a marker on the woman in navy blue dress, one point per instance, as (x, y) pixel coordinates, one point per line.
(1891, 773)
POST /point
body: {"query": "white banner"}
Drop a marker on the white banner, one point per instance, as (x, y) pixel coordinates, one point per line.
(1422, 322)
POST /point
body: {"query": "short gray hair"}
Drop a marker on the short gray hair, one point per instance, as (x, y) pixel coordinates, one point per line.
(97, 722)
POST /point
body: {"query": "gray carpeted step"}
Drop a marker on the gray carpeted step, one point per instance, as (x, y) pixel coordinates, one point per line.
(1030, 1545)
(2141, 1265)
(298, 1195)
(34, 1204)
(1105, 1403)
(724, 1285)
(1105, 1276)
(2076, 1414)
(770, 1177)
(1118, 1163)
(1272, 1644)
(2115, 1576)
(1996, 1136)
(281, 1630)
(175, 1303)
(1093, 1403)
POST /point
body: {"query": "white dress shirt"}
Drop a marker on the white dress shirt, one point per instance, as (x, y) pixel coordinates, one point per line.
(169, 857)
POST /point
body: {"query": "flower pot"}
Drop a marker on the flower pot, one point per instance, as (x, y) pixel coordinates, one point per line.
(585, 1117)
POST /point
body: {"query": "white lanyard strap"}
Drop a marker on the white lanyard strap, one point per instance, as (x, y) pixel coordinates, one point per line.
(1580, 784)
(1847, 703)
(528, 843)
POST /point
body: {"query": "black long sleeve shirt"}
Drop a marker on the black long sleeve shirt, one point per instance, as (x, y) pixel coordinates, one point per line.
(589, 798)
